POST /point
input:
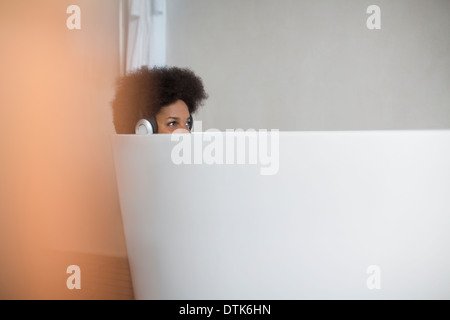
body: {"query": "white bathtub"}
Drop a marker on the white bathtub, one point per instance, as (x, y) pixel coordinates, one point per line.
(346, 215)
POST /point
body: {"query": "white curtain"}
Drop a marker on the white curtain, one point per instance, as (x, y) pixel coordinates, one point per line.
(146, 44)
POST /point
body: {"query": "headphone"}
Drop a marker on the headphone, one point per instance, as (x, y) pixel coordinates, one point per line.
(150, 126)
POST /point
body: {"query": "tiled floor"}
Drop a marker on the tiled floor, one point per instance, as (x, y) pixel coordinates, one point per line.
(102, 277)
(45, 277)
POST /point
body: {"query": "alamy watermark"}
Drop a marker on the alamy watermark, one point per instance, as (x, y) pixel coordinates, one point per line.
(374, 20)
(74, 280)
(73, 21)
(374, 278)
(214, 147)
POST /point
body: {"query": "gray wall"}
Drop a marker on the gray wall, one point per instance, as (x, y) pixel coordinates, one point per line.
(313, 65)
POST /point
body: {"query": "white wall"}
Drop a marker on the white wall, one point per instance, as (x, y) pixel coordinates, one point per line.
(314, 65)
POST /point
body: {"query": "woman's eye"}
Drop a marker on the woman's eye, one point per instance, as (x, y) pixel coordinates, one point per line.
(172, 123)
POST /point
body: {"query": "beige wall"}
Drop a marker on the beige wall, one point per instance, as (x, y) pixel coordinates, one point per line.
(314, 65)
(57, 185)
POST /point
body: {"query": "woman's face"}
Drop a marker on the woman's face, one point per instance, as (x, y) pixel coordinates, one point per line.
(173, 117)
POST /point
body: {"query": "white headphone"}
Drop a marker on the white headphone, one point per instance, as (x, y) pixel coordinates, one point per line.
(144, 127)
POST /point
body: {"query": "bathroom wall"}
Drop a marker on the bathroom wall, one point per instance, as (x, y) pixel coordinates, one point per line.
(314, 65)
(57, 185)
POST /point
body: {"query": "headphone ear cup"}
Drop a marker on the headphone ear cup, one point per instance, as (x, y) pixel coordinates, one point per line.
(144, 127)
(154, 124)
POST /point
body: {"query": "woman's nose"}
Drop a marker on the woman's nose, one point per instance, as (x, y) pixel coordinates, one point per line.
(182, 130)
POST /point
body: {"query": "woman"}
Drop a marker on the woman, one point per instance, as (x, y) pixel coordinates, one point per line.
(157, 100)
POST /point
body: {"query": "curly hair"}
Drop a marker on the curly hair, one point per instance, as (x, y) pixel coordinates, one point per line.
(143, 92)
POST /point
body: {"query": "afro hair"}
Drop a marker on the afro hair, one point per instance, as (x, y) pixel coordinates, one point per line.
(143, 92)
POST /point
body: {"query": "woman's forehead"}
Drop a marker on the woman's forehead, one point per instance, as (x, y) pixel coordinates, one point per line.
(176, 109)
